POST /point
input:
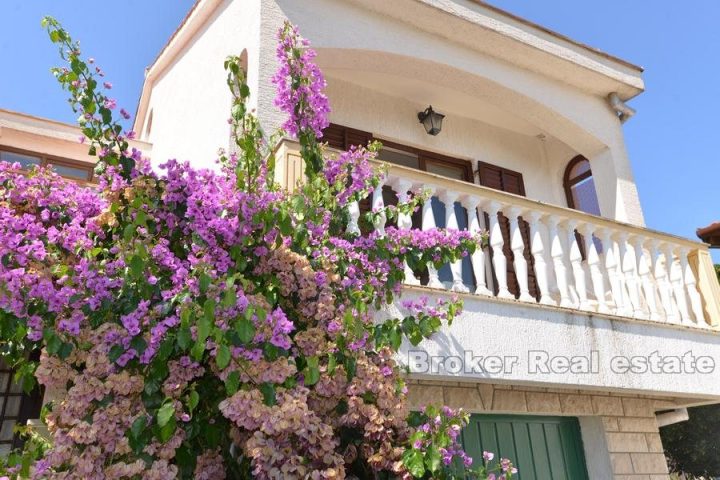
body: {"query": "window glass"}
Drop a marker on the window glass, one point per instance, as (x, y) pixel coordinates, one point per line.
(25, 161)
(449, 171)
(77, 173)
(585, 197)
(579, 168)
(581, 187)
(398, 157)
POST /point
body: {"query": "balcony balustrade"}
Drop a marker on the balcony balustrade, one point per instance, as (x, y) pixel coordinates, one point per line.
(566, 258)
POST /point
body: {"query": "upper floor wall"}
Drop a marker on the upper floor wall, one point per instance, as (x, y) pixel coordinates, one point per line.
(514, 94)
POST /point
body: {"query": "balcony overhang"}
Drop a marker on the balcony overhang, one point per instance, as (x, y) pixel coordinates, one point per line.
(516, 105)
(476, 25)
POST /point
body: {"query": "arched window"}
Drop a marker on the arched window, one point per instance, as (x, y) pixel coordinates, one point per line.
(580, 187)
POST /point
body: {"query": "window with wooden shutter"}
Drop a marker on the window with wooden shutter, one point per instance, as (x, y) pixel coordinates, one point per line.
(499, 178)
(16, 407)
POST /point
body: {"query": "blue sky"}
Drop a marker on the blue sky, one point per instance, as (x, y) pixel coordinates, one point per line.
(672, 141)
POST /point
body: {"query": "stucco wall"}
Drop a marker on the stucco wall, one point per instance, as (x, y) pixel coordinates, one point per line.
(620, 433)
(525, 340)
(190, 101)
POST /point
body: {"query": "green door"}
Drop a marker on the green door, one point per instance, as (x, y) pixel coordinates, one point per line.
(542, 448)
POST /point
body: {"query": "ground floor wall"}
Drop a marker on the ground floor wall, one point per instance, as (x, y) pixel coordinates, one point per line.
(620, 432)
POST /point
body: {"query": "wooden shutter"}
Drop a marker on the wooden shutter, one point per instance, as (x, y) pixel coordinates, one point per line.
(541, 448)
(499, 178)
(341, 137)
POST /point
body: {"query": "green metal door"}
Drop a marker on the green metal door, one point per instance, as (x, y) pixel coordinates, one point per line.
(542, 448)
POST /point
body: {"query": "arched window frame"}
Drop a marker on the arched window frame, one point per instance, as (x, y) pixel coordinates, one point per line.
(568, 182)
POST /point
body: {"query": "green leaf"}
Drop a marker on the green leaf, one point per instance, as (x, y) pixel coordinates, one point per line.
(165, 413)
(229, 297)
(209, 310)
(193, 400)
(268, 391)
(198, 350)
(232, 383)
(332, 363)
(413, 460)
(204, 282)
(115, 352)
(65, 350)
(138, 426)
(52, 341)
(184, 338)
(312, 372)
(245, 330)
(223, 357)
(139, 344)
(167, 431)
(128, 232)
(137, 266)
(285, 224)
(433, 459)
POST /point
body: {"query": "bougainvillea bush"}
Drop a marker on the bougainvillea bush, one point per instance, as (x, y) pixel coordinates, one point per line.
(207, 324)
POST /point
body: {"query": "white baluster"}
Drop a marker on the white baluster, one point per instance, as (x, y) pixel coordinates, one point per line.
(577, 266)
(645, 273)
(354, 213)
(404, 221)
(595, 266)
(678, 284)
(537, 248)
(378, 208)
(629, 269)
(557, 252)
(498, 258)
(478, 257)
(660, 271)
(691, 285)
(518, 247)
(428, 223)
(613, 269)
(449, 197)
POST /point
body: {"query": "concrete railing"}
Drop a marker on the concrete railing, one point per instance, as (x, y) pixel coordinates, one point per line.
(557, 256)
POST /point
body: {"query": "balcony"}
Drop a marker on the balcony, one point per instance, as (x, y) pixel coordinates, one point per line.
(549, 256)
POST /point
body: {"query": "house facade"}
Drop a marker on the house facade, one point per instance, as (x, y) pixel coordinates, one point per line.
(583, 331)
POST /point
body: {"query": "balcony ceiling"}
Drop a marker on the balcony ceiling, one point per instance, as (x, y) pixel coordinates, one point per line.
(445, 100)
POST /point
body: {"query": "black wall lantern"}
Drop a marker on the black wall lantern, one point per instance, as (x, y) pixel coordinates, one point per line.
(431, 120)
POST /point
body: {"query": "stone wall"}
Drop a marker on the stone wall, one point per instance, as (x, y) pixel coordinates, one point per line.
(632, 438)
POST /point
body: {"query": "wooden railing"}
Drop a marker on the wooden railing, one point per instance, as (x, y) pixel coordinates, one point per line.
(566, 258)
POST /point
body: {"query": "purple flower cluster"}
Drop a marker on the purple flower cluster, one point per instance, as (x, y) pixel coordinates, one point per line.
(300, 85)
(351, 173)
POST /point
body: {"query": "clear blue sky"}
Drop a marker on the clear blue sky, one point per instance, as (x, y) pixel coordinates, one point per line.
(672, 141)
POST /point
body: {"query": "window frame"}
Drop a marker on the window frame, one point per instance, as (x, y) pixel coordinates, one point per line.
(568, 182)
(424, 156)
(46, 160)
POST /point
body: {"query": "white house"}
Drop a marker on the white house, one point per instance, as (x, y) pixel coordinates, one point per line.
(583, 331)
